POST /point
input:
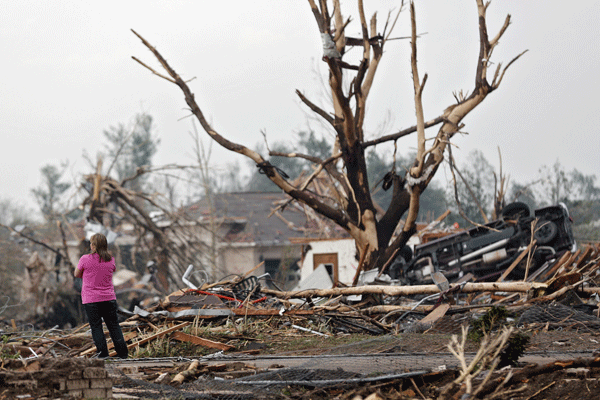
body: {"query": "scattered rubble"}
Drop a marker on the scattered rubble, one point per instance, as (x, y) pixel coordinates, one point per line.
(199, 341)
(55, 378)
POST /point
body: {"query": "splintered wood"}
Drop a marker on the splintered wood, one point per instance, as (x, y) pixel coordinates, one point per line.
(225, 315)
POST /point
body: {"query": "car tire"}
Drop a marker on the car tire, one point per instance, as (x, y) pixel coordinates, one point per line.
(515, 210)
(545, 232)
(406, 253)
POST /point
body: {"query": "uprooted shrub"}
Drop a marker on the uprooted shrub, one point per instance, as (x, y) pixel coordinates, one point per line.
(497, 318)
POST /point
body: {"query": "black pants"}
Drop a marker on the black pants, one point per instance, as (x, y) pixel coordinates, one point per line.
(107, 311)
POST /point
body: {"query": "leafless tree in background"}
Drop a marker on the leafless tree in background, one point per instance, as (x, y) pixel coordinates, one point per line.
(348, 201)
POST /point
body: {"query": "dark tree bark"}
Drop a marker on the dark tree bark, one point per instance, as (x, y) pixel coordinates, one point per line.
(349, 203)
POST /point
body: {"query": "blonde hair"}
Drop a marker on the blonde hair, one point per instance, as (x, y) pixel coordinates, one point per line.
(101, 245)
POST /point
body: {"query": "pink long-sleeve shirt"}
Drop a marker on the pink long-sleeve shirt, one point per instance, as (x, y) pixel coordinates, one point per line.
(97, 279)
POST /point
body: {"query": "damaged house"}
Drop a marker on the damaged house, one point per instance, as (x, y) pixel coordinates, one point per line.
(228, 234)
(337, 256)
(236, 232)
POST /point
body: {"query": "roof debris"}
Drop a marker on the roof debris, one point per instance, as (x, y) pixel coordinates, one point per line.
(223, 325)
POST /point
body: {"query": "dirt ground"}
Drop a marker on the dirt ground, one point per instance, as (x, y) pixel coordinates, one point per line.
(574, 374)
(567, 341)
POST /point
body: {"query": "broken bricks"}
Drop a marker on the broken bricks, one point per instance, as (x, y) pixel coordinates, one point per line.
(55, 378)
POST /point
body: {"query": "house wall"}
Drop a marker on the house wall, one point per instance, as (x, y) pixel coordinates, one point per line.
(346, 251)
(238, 260)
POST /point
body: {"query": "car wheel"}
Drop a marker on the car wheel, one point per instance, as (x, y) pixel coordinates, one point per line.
(515, 210)
(406, 253)
(545, 232)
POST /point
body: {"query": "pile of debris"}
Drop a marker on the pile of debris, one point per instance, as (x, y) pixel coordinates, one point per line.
(55, 378)
(222, 325)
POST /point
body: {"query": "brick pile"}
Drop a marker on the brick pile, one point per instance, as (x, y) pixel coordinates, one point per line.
(69, 378)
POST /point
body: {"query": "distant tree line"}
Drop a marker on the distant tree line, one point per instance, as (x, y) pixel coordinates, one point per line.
(475, 189)
(130, 148)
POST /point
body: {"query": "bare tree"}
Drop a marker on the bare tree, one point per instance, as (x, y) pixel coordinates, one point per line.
(107, 197)
(348, 201)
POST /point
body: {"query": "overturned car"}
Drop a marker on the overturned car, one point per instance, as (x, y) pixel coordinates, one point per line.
(487, 251)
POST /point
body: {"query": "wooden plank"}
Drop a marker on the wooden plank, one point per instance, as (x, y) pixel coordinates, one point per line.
(407, 290)
(111, 345)
(561, 281)
(569, 264)
(184, 337)
(466, 278)
(557, 265)
(156, 335)
(79, 329)
(190, 371)
(584, 257)
(516, 262)
(592, 267)
(436, 314)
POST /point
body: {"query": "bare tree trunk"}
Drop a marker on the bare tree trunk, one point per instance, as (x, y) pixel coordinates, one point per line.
(521, 287)
(349, 203)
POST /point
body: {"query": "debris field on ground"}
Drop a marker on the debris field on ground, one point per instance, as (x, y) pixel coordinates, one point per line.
(206, 342)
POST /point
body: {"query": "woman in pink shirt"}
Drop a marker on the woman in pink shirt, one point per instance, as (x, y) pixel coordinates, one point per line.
(98, 295)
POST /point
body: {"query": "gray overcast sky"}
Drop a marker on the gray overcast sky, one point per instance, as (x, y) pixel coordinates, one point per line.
(67, 75)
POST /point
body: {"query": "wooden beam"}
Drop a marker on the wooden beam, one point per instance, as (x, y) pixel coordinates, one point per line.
(156, 335)
(190, 371)
(557, 265)
(516, 262)
(184, 337)
(569, 264)
(584, 257)
(111, 345)
(435, 315)
(469, 287)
